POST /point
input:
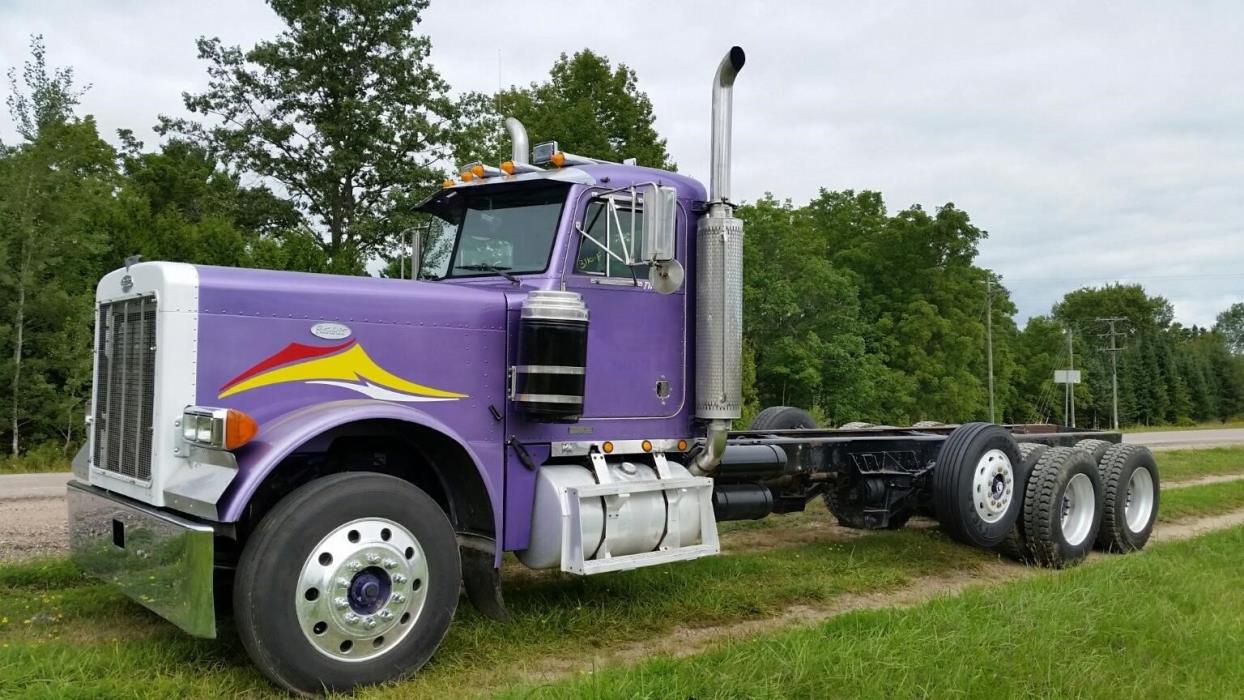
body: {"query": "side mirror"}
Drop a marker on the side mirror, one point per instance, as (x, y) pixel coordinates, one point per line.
(660, 212)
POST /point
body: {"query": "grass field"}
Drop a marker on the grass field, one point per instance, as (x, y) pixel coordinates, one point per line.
(1168, 623)
(1178, 465)
(35, 462)
(1211, 425)
(1201, 500)
(63, 635)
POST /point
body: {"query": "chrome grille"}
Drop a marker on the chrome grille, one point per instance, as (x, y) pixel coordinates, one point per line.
(125, 384)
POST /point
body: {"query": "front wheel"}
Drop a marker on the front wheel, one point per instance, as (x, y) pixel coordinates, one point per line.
(350, 580)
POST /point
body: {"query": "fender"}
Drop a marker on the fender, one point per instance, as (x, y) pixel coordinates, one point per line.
(279, 438)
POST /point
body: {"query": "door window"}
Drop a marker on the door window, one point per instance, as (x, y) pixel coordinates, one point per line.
(593, 258)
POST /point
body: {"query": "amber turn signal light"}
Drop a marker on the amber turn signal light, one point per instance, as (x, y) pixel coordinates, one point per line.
(240, 429)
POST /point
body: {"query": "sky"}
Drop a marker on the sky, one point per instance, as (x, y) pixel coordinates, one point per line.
(1095, 142)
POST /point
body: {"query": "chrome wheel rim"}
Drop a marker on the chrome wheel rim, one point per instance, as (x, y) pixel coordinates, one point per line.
(993, 485)
(361, 589)
(1138, 508)
(1079, 508)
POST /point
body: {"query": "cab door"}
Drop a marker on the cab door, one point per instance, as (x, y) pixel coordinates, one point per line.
(637, 337)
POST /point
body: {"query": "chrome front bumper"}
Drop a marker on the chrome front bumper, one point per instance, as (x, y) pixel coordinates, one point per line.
(161, 560)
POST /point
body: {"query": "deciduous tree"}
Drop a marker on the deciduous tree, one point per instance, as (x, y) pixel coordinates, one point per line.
(342, 109)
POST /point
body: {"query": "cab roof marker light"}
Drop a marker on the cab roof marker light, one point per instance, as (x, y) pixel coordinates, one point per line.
(510, 167)
(481, 171)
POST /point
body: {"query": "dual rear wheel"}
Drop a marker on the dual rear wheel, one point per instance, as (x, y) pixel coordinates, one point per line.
(1044, 505)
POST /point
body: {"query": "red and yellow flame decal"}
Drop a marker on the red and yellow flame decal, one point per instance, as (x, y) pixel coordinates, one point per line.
(346, 365)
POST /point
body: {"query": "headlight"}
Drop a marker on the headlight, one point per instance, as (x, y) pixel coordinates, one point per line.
(217, 428)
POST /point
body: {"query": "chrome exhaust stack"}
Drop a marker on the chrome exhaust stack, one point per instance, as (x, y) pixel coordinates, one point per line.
(719, 285)
(723, 101)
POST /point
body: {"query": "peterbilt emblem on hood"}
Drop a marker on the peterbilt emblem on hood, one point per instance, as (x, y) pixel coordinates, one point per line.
(346, 365)
(127, 283)
(330, 331)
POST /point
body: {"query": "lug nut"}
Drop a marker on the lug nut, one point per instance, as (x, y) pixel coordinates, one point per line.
(373, 558)
(389, 563)
(385, 614)
(341, 603)
(343, 581)
(398, 578)
(352, 619)
(399, 598)
(354, 565)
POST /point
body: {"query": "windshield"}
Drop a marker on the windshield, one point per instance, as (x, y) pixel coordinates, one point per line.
(482, 233)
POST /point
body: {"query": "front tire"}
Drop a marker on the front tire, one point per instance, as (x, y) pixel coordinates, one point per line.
(350, 580)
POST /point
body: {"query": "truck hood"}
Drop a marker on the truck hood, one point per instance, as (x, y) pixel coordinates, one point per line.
(272, 342)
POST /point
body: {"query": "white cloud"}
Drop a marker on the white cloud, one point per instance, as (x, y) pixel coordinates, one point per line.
(1093, 142)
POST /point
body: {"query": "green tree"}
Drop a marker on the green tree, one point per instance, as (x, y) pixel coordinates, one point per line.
(53, 186)
(49, 97)
(1231, 325)
(801, 318)
(180, 204)
(587, 105)
(923, 302)
(342, 109)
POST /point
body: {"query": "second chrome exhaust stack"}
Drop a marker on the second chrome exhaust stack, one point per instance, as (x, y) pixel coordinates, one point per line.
(719, 284)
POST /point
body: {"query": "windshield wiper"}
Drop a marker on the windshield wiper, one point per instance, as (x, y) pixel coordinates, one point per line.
(484, 267)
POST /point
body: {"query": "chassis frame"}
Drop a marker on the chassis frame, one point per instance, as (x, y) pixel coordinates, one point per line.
(885, 470)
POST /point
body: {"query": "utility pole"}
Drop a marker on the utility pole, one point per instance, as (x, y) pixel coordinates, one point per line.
(1114, 350)
(989, 338)
(1071, 365)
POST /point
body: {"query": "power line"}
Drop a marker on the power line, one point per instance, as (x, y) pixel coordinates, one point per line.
(1127, 278)
(1114, 350)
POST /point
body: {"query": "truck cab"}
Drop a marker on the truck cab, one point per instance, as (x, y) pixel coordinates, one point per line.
(534, 389)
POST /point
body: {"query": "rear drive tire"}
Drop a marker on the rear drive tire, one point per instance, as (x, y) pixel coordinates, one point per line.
(350, 580)
(1132, 493)
(1015, 545)
(1062, 507)
(1097, 448)
(782, 418)
(975, 484)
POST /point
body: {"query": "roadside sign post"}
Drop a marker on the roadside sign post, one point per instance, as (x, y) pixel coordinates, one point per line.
(1069, 378)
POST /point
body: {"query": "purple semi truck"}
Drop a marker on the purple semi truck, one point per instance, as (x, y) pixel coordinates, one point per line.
(335, 459)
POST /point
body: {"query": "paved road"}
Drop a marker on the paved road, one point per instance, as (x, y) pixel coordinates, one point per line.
(1188, 439)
